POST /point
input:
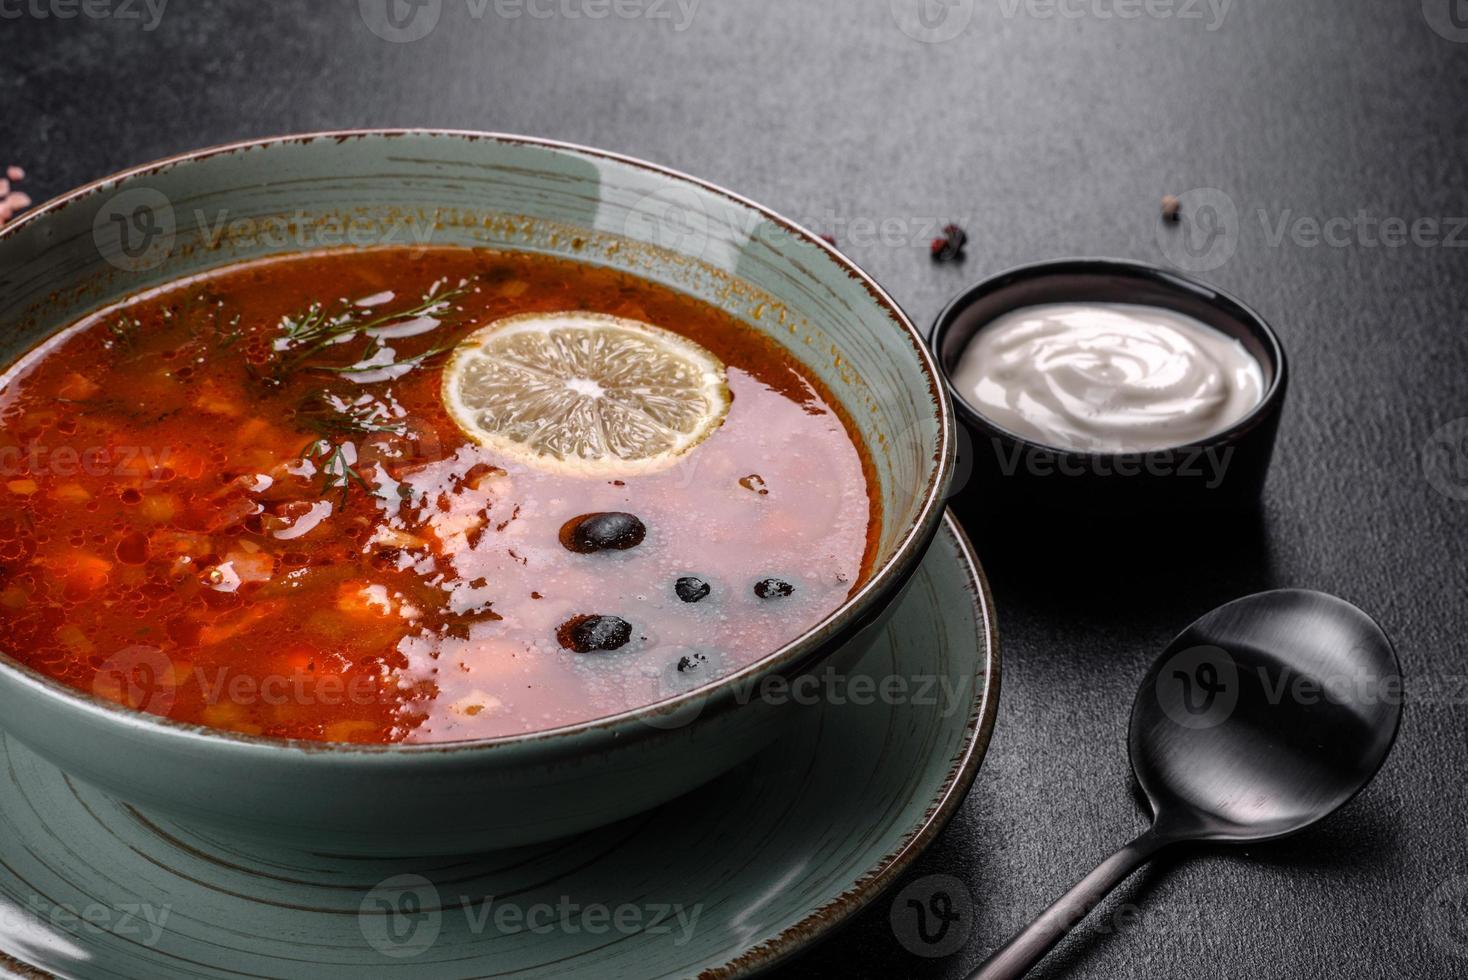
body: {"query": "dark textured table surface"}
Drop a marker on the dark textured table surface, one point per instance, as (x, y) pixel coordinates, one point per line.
(1047, 128)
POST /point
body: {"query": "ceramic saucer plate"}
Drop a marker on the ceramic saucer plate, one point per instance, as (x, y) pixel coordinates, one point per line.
(724, 882)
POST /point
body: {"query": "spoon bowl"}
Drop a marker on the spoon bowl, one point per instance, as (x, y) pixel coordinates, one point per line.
(1265, 716)
(1262, 718)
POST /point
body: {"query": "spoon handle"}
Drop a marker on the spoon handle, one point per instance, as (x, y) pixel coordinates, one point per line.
(1015, 958)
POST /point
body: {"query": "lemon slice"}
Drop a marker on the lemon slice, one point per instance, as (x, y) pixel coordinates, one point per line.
(584, 393)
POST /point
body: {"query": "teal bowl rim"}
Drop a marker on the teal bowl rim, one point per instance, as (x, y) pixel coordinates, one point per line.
(626, 726)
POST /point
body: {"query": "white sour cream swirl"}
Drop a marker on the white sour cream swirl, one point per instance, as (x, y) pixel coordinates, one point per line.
(1108, 377)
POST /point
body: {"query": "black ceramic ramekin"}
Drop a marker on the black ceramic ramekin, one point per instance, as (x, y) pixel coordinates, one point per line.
(1224, 471)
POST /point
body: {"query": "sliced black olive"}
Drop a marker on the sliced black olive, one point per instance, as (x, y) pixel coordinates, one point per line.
(692, 662)
(773, 588)
(691, 588)
(587, 633)
(602, 531)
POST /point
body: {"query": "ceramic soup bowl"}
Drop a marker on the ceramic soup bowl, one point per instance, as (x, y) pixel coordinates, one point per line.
(157, 223)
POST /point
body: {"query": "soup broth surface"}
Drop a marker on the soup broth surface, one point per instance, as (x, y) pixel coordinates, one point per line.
(201, 520)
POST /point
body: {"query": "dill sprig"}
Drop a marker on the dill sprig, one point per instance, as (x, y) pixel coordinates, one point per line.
(228, 335)
(334, 460)
(204, 316)
(124, 330)
(333, 417)
(335, 421)
(398, 365)
(303, 337)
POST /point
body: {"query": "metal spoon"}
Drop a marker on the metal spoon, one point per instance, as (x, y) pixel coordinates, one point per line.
(1260, 719)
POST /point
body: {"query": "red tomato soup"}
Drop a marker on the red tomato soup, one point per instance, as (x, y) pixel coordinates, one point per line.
(204, 517)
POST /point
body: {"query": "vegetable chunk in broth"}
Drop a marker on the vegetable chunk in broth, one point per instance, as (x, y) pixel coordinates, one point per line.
(240, 500)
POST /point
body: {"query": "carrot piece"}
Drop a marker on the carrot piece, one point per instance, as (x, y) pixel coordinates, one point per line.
(72, 494)
(229, 716)
(172, 542)
(76, 388)
(256, 567)
(186, 464)
(81, 570)
(511, 289)
(252, 431)
(215, 404)
(300, 658)
(351, 731)
(159, 507)
(75, 640)
(219, 632)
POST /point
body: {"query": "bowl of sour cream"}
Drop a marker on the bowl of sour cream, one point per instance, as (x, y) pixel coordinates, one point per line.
(1101, 384)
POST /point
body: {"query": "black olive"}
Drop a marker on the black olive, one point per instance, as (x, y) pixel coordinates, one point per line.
(598, 532)
(587, 633)
(691, 588)
(691, 662)
(772, 588)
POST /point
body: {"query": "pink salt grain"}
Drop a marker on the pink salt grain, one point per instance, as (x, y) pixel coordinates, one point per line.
(12, 201)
